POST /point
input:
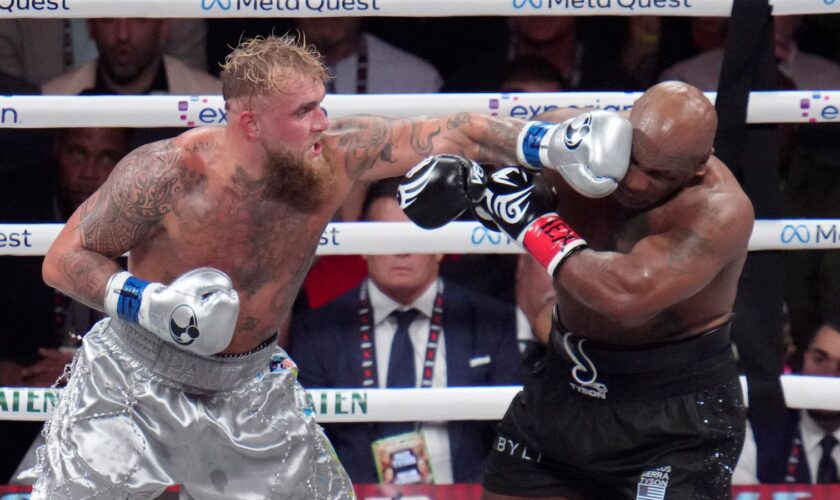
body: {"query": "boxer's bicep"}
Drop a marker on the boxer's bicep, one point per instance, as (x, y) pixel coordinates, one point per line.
(660, 271)
(140, 191)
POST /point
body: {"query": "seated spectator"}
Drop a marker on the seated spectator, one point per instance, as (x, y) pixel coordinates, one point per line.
(586, 53)
(361, 63)
(37, 340)
(131, 61)
(415, 315)
(40, 49)
(802, 448)
(806, 71)
(531, 74)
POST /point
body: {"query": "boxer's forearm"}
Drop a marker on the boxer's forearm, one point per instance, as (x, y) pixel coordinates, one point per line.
(488, 139)
(81, 274)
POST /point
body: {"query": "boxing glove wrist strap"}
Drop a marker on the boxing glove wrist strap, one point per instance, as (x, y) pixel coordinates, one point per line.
(123, 296)
(550, 240)
(533, 141)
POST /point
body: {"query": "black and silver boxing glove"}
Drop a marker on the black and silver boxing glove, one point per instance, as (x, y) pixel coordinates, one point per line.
(439, 188)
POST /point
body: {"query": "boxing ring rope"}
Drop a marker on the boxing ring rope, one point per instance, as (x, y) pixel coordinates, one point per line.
(355, 238)
(389, 8)
(409, 405)
(475, 403)
(188, 111)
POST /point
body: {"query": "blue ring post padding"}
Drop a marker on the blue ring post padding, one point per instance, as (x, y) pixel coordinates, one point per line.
(531, 143)
(128, 305)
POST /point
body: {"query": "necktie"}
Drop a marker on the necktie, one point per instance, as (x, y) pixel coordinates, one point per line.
(401, 372)
(827, 468)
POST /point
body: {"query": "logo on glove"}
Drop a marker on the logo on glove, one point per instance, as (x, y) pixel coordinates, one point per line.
(183, 325)
(577, 131)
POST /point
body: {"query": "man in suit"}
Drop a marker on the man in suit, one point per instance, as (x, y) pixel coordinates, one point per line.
(471, 338)
(803, 447)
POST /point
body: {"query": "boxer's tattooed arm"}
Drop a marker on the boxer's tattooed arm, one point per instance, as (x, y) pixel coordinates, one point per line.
(362, 143)
(138, 194)
(124, 211)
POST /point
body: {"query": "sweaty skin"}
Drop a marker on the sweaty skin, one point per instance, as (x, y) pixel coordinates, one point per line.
(667, 248)
(204, 199)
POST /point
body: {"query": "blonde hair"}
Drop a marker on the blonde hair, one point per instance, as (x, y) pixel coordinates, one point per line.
(260, 67)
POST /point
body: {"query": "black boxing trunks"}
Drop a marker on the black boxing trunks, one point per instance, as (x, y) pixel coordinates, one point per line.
(652, 422)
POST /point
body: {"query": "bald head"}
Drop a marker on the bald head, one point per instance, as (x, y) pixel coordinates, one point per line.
(676, 120)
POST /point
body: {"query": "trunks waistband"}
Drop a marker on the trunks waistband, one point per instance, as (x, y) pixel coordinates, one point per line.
(642, 373)
(646, 358)
(195, 373)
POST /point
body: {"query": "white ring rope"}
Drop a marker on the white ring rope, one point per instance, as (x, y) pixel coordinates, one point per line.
(358, 238)
(402, 405)
(186, 111)
(377, 8)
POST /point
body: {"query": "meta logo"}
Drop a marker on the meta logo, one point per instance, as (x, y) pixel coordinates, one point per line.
(202, 114)
(603, 4)
(480, 234)
(818, 108)
(801, 233)
(521, 4)
(9, 116)
(829, 2)
(210, 4)
(328, 6)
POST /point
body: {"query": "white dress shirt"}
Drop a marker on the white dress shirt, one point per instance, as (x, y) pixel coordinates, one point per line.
(435, 433)
(746, 472)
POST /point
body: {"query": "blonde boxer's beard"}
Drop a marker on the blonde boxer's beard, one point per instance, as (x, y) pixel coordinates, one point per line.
(304, 184)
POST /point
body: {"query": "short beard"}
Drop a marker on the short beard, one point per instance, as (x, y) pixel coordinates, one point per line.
(306, 185)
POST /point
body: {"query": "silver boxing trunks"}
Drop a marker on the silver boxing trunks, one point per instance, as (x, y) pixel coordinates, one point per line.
(139, 415)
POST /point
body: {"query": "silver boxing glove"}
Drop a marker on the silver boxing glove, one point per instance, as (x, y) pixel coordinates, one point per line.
(591, 151)
(197, 312)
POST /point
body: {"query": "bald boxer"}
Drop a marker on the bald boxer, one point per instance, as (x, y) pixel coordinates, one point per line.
(638, 397)
(184, 383)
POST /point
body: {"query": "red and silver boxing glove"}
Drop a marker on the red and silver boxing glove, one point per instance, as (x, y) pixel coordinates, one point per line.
(522, 205)
(197, 312)
(591, 151)
(439, 189)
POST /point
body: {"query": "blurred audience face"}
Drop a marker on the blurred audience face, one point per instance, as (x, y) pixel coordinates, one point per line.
(539, 30)
(708, 33)
(128, 46)
(823, 359)
(334, 37)
(531, 74)
(784, 29)
(84, 159)
(402, 277)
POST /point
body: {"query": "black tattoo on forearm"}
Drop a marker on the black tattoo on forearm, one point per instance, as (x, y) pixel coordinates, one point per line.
(422, 140)
(89, 273)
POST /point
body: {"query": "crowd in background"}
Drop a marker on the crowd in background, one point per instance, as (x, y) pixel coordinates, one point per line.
(46, 174)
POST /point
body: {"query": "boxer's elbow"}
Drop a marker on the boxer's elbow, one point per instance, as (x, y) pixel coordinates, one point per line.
(49, 270)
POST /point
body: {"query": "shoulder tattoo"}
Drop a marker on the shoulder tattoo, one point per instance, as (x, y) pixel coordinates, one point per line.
(140, 191)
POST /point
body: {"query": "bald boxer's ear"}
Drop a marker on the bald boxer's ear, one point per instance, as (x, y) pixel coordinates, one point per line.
(700, 168)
